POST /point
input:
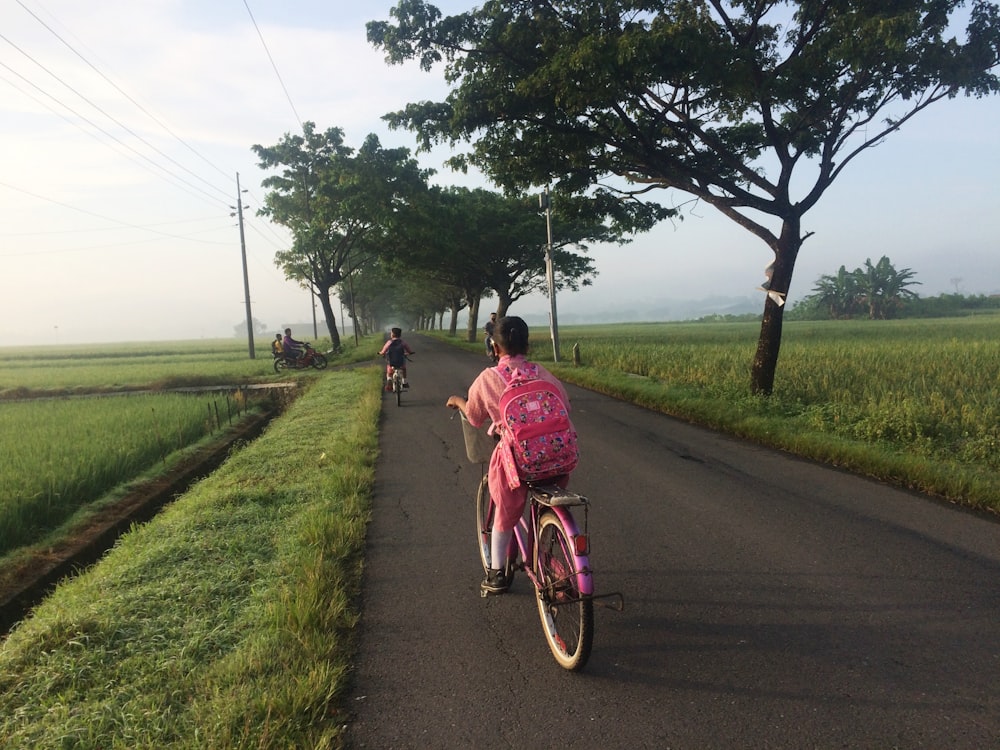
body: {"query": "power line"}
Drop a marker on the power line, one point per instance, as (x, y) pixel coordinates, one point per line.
(275, 67)
(110, 117)
(76, 124)
(91, 213)
(123, 93)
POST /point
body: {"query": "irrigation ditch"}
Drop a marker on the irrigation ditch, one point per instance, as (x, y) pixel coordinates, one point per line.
(25, 583)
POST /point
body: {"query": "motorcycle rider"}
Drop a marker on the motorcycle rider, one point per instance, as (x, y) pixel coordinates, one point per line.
(292, 349)
(490, 326)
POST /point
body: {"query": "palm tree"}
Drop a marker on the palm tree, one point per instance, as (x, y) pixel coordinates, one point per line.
(882, 288)
(839, 294)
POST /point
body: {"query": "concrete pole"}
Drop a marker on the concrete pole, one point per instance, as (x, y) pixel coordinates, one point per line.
(246, 278)
(550, 274)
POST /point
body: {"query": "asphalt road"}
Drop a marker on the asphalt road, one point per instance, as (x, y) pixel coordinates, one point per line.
(769, 602)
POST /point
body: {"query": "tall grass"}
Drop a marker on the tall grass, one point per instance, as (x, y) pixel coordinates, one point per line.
(227, 621)
(59, 455)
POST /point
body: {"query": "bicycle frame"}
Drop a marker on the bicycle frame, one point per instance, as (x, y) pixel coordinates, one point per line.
(525, 536)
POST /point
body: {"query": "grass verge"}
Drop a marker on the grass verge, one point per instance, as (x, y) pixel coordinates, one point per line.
(227, 621)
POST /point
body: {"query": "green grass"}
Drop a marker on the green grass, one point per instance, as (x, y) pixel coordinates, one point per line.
(226, 621)
(157, 365)
(61, 454)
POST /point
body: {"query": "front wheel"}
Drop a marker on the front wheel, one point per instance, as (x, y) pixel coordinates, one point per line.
(485, 511)
(567, 617)
(319, 361)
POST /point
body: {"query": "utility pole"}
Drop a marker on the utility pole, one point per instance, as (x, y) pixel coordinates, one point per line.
(545, 203)
(246, 278)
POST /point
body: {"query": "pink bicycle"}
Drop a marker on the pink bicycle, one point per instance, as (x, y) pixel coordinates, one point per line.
(553, 552)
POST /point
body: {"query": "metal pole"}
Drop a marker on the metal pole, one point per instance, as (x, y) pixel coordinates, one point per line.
(550, 274)
(246, 278)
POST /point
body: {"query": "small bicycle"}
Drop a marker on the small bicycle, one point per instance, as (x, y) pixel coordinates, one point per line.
(552, 551)
(396, 383)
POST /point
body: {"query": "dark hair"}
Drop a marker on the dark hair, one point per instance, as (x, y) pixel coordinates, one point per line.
(397, 332)
(512, 335)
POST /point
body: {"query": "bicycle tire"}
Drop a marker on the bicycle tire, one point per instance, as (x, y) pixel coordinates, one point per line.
(484, 528)
(567, 618)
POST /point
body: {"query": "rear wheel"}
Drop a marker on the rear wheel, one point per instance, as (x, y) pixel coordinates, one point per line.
(567, 619)
(397, 386)
(280, 364)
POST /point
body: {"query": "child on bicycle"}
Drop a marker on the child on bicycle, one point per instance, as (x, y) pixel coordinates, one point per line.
(395, 351)
(483, 403)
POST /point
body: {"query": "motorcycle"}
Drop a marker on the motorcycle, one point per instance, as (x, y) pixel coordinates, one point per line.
(491, 351)
(309, 358)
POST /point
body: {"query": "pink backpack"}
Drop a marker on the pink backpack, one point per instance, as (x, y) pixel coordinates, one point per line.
(536, 433)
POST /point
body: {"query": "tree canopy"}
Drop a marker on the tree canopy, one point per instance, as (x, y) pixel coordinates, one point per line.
(339, 204)
(878, 290)
(754, 107)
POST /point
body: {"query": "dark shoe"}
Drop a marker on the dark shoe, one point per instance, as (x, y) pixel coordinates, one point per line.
(496, 582)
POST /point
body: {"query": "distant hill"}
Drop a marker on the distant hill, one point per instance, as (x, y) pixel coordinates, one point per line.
(658, 310)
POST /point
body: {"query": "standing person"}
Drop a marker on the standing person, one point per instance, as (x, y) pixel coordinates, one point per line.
(483, 403)
(292, 349)
(490, 328)
(395, 351)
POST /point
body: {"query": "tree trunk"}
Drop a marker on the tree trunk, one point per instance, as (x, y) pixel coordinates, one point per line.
(765, 361)
(473, 331)
(331, 321)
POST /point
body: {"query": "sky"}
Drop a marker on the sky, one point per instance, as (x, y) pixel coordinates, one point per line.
(124, 125)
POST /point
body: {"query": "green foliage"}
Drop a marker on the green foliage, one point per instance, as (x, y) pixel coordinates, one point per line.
(877, 291)
(753, 108)
(339, 204)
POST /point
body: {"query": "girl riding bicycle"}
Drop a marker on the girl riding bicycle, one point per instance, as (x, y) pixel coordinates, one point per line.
(483, 403)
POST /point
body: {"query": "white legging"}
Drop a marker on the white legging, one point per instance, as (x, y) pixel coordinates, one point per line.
(499, 543)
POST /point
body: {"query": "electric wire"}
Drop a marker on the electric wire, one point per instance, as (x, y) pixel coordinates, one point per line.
(113, 119)
(121, 91)
(273, 65)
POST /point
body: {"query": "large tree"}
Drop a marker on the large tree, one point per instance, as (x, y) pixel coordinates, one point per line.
(752, 106)
(339, 204)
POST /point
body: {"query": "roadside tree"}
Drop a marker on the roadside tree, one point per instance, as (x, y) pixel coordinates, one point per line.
(752, 107)
(339, 204)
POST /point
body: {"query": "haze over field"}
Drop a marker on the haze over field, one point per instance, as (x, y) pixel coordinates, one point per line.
(125, 124)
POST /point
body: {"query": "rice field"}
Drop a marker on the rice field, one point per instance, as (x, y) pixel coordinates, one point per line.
(61, 454)
(932, 386)
(131, 365)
